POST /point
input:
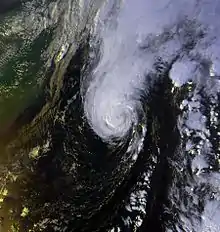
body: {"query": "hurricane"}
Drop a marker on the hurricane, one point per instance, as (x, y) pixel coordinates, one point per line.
(112, 104)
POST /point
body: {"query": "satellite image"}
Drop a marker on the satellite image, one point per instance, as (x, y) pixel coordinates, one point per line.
(110, 115)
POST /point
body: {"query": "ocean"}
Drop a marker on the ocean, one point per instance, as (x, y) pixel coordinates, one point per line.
(109, 115)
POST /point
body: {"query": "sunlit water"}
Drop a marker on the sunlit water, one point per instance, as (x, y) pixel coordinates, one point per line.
(109, 114)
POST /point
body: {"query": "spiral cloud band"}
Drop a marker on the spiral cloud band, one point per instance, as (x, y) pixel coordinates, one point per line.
(134, 34)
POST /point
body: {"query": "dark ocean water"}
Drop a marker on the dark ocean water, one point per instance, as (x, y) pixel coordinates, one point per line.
(109, 116)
